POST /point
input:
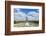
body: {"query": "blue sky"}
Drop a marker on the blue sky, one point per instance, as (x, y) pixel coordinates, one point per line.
(22, 13)
(26, 10)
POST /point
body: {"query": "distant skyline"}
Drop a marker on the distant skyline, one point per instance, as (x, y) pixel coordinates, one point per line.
(22, 13)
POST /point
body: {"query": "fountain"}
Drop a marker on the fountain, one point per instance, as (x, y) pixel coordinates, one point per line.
(27, 24)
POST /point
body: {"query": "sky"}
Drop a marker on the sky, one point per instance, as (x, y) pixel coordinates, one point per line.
(26, 10)
(20, 14)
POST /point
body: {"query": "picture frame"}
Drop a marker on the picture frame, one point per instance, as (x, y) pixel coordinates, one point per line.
(36, 8)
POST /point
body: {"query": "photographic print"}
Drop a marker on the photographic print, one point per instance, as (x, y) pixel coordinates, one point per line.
(24, 17)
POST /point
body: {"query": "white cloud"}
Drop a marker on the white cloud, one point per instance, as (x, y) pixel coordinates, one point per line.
(33, 16)
(19, 16)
